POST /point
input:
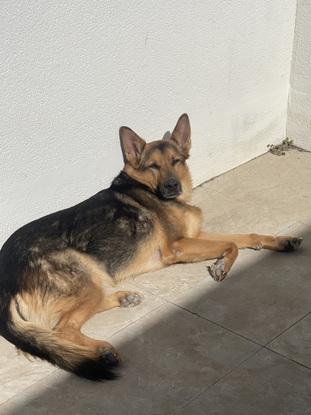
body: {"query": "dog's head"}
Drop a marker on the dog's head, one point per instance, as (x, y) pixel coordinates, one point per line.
(160, 165)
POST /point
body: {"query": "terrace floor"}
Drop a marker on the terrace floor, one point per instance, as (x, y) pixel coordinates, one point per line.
(195, 346)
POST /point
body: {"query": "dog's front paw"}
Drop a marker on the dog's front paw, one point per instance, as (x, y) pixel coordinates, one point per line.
(290, 244)
(217, 270)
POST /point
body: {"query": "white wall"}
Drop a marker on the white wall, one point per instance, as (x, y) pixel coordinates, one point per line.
(299, 104)
(72, 72)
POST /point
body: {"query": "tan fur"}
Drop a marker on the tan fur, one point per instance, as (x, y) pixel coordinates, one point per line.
(50, 338)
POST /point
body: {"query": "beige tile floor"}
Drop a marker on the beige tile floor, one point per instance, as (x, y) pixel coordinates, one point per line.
(195, 346)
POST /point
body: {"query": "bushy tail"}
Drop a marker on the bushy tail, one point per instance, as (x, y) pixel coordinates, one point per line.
(49, 345)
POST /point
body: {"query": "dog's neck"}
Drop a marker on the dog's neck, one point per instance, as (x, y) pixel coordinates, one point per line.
(125, 182)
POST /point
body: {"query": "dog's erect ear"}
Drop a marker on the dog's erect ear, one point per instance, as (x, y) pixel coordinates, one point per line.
(132, 146)
(166, 135)
(181, 134)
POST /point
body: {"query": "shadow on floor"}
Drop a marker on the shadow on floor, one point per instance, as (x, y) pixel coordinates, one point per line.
(180, 350)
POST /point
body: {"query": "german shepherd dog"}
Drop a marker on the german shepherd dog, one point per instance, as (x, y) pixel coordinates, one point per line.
(54, 271)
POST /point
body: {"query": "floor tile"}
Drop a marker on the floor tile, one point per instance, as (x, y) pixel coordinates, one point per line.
(296, 342)
(174, 279)
(16, 372)
(259, 196)
(266, 384)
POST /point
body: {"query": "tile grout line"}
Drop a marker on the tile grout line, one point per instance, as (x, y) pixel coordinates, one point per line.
(221, 378)
(243, 361)
(217, 324)
(203, 318)
(238, 366)
(135, 321)
(288, 328)
(287, 357)
(241, 335)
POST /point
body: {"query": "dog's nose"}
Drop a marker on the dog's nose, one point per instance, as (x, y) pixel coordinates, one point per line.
(172, 186)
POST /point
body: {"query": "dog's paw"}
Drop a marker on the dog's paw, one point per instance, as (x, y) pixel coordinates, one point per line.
(131, 299)
(109, 356)
(290, 244)
(217, 270)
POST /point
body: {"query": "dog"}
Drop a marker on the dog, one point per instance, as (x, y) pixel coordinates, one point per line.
(55, 271)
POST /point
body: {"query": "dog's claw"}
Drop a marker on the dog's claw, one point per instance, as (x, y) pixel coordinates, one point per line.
(291, 244)
(216, 270)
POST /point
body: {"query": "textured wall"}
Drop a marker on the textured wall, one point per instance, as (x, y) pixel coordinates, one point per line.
(72, 72)
(299, 108)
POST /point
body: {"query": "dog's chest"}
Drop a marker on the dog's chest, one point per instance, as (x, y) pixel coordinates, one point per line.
(184, 221)
(179, 222)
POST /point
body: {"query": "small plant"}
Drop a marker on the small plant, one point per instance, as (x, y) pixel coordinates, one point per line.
(287, 142)
(280, 149)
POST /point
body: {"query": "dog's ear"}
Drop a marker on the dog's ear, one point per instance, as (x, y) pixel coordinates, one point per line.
(166, 135)
(181, 134)
(132, 146)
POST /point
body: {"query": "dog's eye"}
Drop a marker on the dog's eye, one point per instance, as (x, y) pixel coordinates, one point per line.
(153, 166)
(176, 161)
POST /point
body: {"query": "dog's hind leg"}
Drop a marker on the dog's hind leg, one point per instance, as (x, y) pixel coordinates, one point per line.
(62, 292)
(88, 303)
(121, 299)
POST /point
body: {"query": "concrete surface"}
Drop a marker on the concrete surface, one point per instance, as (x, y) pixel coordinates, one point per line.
(299, 103)
(73, 72)
(195, 346)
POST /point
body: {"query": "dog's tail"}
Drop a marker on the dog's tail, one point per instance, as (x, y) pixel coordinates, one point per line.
(49, 345)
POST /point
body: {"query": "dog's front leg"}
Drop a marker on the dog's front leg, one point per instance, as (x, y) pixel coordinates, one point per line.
(196, 250)
(255, 241)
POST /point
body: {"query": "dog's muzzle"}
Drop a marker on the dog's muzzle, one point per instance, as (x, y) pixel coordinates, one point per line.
(170, 189)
